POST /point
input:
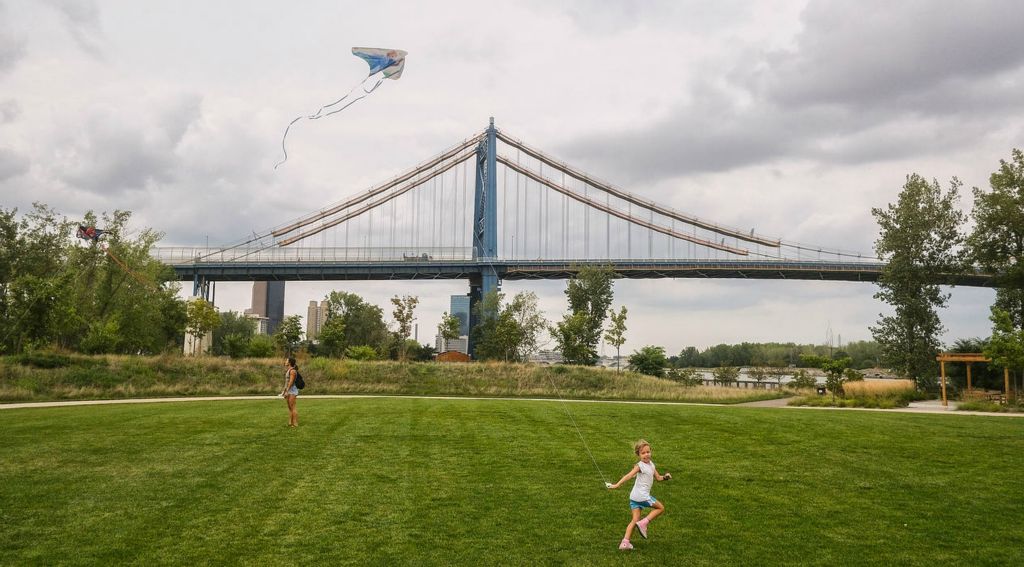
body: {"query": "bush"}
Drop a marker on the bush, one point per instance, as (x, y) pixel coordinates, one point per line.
(686, 376)
(361, 352)
(261, 346)
(801, 380)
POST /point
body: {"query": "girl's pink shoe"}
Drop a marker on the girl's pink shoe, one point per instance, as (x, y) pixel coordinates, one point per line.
(642, 527)
(625, 544)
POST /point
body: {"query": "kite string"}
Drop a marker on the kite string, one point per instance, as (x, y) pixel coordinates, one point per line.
(578, 432)
(126, 268)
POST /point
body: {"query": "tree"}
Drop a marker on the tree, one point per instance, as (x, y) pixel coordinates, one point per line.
(919, 236)
(997, 242)
(232, 336)
(758, 373)
(202, 318)
(1006, 346)
(590, 295)
(689, 357)
(528, 323)
(835, 371)
(507, 332)
(58, 290)
(649, 360)
(332, 335)
(616, 333)
(404, 315)
(361, 323)
(289, 334)
(726, 375)
(449, 328)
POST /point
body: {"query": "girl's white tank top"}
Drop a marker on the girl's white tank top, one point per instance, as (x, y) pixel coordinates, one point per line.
(644, 480)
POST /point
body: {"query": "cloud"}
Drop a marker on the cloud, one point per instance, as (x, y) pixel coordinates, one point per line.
(82, 21)
(9, 111)
(870, 54)
(125, 149)
(852, 88)
(12, 164)
(12, 46)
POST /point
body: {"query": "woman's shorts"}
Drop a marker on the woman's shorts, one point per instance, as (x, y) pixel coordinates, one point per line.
(293, 391)
(634, 505)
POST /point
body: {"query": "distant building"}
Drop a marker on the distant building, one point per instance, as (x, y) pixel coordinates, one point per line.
(268, 301)
(460, 344)
(316, 316)
(262, 323)
(546, 357)
(460, 309)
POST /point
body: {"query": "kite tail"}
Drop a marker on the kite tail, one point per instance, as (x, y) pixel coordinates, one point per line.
(319, 113)
(285, 137)
(355, 100)
(316, 114)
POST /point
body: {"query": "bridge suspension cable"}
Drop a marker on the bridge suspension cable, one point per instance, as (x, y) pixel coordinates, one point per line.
(425, 166)
(376, 203)
(633, 199)
(611, 211)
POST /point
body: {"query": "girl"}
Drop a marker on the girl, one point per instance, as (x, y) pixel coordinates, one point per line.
(640, 497)
(290, 392)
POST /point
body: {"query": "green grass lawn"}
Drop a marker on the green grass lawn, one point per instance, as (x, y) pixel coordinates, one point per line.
(409, 481)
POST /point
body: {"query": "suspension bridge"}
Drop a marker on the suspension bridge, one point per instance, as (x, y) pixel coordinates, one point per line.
(493, 208)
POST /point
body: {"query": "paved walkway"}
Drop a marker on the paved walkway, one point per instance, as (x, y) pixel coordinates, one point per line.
(929, 406)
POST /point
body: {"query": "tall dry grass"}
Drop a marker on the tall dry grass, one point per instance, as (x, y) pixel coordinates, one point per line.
(879, 388)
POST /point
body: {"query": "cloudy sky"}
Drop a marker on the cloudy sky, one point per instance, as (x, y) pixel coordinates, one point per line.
(794, 116)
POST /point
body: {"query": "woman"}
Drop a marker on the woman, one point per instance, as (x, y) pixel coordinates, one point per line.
(290, 392)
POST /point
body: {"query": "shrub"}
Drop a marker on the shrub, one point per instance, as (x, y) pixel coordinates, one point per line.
(801, 380)
(686, 376)
(361, 352)
(261, 346)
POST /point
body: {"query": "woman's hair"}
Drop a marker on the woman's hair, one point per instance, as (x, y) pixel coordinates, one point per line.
(640, 445)
(291, 362)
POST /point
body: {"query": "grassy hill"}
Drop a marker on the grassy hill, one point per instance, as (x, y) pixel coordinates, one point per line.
(68, 377)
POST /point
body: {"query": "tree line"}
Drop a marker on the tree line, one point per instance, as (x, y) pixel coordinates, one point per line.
(925, 234)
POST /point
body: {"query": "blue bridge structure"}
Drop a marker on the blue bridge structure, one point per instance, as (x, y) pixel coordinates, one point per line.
(492, 208)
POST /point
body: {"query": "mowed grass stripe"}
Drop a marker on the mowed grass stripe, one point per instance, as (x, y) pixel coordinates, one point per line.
(496, 482)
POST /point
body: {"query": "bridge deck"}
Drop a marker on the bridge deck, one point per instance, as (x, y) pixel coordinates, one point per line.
(546, 270)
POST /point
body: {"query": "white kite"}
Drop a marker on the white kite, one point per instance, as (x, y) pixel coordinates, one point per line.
(389, 63)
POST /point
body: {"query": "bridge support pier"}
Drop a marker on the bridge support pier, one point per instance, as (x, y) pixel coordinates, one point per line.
(485, 225)
(201, 287)
(479, 287)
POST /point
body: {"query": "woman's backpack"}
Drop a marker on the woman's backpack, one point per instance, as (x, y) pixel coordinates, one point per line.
(299, 382)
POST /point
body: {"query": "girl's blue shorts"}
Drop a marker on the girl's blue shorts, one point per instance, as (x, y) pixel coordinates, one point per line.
(634, 505)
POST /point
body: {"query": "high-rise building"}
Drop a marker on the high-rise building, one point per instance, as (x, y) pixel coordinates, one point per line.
(316, 316)
(268, 301)
(460, 308)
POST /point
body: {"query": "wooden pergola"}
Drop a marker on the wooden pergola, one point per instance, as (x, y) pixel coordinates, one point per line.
(968, 357)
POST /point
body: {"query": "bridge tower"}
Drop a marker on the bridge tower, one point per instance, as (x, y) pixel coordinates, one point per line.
(485, 223)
